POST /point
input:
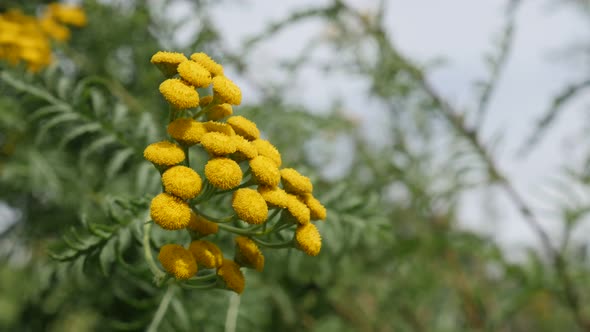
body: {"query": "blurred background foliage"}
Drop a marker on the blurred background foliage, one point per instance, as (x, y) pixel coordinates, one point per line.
(73, 177)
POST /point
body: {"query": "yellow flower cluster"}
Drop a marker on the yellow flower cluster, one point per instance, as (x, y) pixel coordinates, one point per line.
(233, 144)
(27, 38)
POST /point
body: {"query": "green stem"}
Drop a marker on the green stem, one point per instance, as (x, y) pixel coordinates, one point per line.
(162, 308)
(287, 244)
(159, 275)
(206, 109)
(248, 183)
(207, 286)
(214, 219)
(236, 230)
(209, 276)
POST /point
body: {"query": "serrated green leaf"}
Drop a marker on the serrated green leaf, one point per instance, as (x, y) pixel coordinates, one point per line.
(95, 146)
(107, 256)
(55, 121)
(64, 86)
(118, 161)
(46, 110)
(78, 131)
(98, 101)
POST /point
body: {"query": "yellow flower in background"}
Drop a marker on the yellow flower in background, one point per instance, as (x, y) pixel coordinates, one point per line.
(206, 254)
(218, 144)
(230, 273)
(186, 131)
(219, 112)
(54, 29)
(265, 148)
(248, 254)
(202, 226)
(70, 15)
(182, 181)
(274, 196)
(250, 206)
(194, 73)
(295, 183)
(265, 171)
(308, 239)
(317, 210)
(167, 62)
(164, 153)
(226, 90)
(223, 173)
(179, 94)
(170, 212)
(244, 127)
(177, 261)
(204, 60)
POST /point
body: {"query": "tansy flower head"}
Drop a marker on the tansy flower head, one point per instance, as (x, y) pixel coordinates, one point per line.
(167, 62)
(182, 181)
(226, 90)
(204, 60)
(205, 101)
(187, 131)
(265, 171)
(274, 196)
(318, 211)
(219, 112)
(246, 149)
(70, 15)
(206, 254)
(232, 276)
(308, 239)
(202, 226)
(54, 30)
(298, 209)
(170, 212)
(250, 206)
(194, 73)
(179, 94)
(164, 153)
(295, 183)
(219, 127)
(177, 261)
(223, 173)
(244, 127)
(248, 254)
(218, 144)
(265, 148)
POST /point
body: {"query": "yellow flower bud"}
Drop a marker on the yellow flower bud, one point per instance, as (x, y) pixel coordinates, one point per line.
(167, 62)
(218, 144)
(298, 209)
(295, 183)
(204, 60)
(244, 148)
(226, 90)
(179, 94)
(308, 239)
(182, 181)
(265, 171)
(274, 196)
(164, 153)
(194, 74)
(232, 276)
(177, 261)
(206, 254)
(318, 211)
(187, 131)
(219, 112)
(250, 206)
(244, 127)
(170, 212)
(223, 173)
(265, 148)
(202, 226)
(248, 254)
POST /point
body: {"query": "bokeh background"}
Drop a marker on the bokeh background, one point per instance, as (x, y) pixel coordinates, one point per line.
(446, 139)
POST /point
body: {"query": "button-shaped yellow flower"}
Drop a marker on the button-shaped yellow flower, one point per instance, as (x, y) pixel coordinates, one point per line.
(219, 127)
(265, 171)
(167, 62)
(204, 60)
(170, 212)
(244, 127)
(182, 181)
(194, 74)
(223, 173)
(206, 253)
(274, 196)
(295, 183)
(219, 112)
(250, 206)
(298, 209)
(164, 153)
(248, 254)
(226, 90)
(245, 148)
(202, 226)
(187, 131)
(265, 148)
(218, 144)
(179, 94)
(318, 211)
(308, 239)
(177, 261)
(232, 276)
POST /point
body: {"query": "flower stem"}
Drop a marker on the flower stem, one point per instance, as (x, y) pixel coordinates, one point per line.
(162, 308)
